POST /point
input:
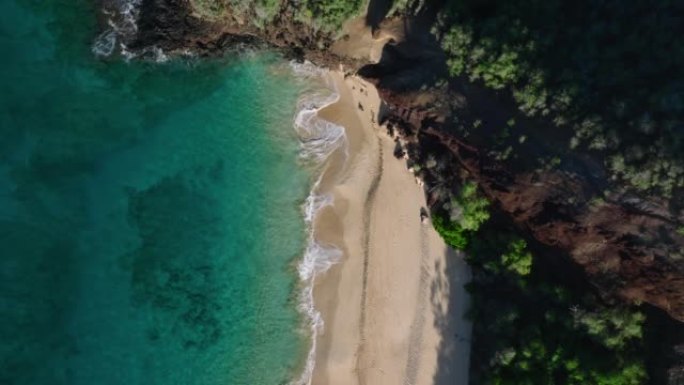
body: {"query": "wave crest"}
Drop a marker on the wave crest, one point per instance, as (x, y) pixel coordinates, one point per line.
(319, 139)
(122, 25)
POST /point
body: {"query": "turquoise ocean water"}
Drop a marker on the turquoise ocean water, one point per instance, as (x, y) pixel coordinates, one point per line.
(150, 213)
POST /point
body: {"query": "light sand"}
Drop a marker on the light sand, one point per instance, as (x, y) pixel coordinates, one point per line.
(393, 306)
(361, 43)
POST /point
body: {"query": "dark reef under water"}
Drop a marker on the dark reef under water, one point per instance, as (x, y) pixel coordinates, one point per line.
(149, 213)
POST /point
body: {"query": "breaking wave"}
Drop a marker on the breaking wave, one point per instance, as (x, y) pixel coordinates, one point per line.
(122, 25)
(319, 139)
(121, 29)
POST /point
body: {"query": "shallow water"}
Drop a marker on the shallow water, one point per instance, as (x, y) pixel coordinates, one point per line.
(150, 213)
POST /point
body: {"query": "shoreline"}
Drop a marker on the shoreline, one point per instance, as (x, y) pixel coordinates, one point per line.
(391, 304)
(175, 29)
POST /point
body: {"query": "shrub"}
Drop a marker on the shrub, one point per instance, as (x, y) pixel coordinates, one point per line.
(453, 234)
(474, 208)
(613, 328)
(516, 46)
(471, 215)
(517, 259)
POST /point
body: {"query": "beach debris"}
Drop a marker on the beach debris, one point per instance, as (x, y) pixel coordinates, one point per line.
(398, 149)
(423, 215)
(360, 106)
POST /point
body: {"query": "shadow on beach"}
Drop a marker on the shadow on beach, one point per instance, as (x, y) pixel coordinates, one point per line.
(453, 356)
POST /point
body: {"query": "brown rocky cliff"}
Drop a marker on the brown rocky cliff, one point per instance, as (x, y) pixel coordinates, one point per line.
(624, 249)
(626, 242)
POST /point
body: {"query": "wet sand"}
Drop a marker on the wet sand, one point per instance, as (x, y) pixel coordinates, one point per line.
(393, 305)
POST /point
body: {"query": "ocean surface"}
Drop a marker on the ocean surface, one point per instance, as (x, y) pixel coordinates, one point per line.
(150, 213)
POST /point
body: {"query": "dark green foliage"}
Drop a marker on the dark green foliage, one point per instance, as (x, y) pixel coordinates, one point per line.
(209, 8)
(610, 71)
(266, 9)
(613, 328)
(331, 14)
(474, 208)
(453, 234)
(531, 328)
(260, 11)
(516, 258)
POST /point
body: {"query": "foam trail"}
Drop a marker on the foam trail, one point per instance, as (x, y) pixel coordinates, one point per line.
(122, 27)
(122, 22)
(153, 53)
(319, 139)
(104, 44)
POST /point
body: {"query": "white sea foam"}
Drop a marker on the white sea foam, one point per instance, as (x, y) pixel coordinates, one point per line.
(152, 53)
(317, 258)
(319, 139)
(315, 202)
(307, 69)
(122, 21)
(105, 43)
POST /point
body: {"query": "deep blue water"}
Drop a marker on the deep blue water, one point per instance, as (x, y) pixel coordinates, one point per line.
(149, 213)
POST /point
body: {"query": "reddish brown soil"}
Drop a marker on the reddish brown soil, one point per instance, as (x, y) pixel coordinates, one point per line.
(625, 241)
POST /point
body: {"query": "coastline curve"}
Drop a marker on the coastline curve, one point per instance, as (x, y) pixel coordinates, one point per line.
(319, 139)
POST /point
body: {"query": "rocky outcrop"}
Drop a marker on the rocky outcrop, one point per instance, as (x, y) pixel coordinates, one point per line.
(172, 26)
(626, 242)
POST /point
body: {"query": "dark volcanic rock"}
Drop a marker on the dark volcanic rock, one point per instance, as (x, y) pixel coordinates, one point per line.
(626, 242)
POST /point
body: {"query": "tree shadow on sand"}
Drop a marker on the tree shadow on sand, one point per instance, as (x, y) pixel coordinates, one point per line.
(377, 10)
(453, 356)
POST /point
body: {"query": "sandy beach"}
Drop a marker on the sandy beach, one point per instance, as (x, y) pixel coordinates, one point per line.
(393, 306)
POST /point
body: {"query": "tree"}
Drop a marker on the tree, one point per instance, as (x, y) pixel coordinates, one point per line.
(517, 259)
(471, 214)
